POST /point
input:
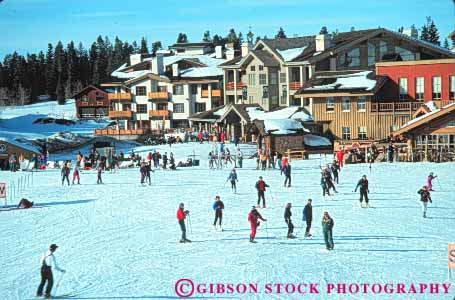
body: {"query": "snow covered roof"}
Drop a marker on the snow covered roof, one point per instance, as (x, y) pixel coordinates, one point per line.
(201, 72)
(19, 144)
(316, 141)
(349, 81)
(292, 53)
(291, 112)
(128, 75)
(283, 126)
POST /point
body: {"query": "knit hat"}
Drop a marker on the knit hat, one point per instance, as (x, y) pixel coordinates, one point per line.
(53, 247)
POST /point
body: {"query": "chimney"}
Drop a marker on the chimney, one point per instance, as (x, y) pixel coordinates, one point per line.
(322, 42)
(175, 70)
(135, 59)
(229, 46)
(411, 32)
(219, 52)
(230, 54)
(245, 49)
(157, 64)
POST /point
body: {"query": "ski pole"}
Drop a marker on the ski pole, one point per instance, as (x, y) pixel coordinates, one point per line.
(267, 231)
(58, 283)
(439, 183)
(191, 227)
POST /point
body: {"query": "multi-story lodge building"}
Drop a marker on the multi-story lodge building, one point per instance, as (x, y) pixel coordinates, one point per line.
(91, 102)
(274, 70)
(162, 90)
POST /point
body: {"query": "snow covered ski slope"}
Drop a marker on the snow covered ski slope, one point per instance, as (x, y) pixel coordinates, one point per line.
(119, 240)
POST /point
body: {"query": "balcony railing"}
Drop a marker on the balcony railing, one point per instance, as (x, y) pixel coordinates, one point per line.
(119, 97)
(442, 103)
(159, 113)
(158, 95)
(230, 85)
(215, 93)
(120, 114)
(294, 85)
(395, 106)
(120, 132)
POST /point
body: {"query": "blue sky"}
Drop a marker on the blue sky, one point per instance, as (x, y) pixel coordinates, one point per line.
(28, 25)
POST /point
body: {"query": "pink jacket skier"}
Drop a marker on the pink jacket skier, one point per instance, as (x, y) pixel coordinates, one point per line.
(429, 181)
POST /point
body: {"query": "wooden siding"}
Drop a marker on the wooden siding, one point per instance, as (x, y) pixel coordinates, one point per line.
(378, 125)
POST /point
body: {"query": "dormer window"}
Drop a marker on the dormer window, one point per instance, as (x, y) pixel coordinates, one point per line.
(261, 68)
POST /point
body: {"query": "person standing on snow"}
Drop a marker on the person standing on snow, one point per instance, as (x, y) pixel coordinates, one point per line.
(327, 227)
(324, 185)
(253, 218)
(76, 173)
(287, 174)
(148, 169)
(99, 170)
(424, 198)
(308, 217)
(240, 158)
(48, 262)
(287, 219)
(340, 157)
(260, 187)
(164, 160)
(233, 178)
(430, 181)
(181, 216)
(363, 184)
(143, 171)
(65, 173)
(218, 207)
(335, 168)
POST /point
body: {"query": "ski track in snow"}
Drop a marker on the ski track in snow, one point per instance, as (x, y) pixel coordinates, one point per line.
(119, 240)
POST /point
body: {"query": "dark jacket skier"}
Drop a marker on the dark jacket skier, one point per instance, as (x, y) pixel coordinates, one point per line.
(308, 217)
(425, 197)
(287, 219)
(287, 174)
(327, 227)
(218, 207)
(260, 187)
(363, 184)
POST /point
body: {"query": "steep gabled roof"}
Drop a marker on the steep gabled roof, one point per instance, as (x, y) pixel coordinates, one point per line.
(147, 76)
(266, 58)
(86, 89)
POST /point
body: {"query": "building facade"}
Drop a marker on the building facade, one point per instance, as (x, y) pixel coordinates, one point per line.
(92, 102)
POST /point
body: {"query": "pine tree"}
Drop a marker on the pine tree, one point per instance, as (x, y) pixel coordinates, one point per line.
(217, 40)
(71, 67)
(250, 37)
(156, 45)
(280, 34)
(446, 44)
(232, 37)
(433, 33)
(135, 48)
(83, 67)
(144, 49)
(424, 33)
(400, 29)
(323, 30)
(258, 38)
(182, 38)
(51, 78)
(206, 37)
(94, 72)
(60, 91)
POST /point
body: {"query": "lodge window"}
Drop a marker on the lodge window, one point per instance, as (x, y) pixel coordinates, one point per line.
(346, 104)
(141, 108)
(361, 104)
(274, 100)
(420, 88)
(346, 133)
(252, 79)
(284, 94)
(162, 88)
(436, 87)
(263, 79)
(99, 98)
(253, 68)
(200, 107)
(126, 106)
(250, 99)
(179, 107)
(452, 88)
(141, 91)
(84, 98)
(194, 89)
(273, 78)
(329, 104)
(362, 133)
(382, 49)
(265, 92)
(371, 54)
(283, 77)
(161, 106)
(403, 87)
(178, 89)
(404, 53)
(350, 59)
(261, 68)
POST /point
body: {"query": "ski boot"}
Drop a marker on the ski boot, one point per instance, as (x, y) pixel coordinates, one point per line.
(367, 206)
(252, 241)
(221, 228)
(187, 241)
(264, 206)
(360, 204)
(258, 206)
(291, 236)
(424, 214)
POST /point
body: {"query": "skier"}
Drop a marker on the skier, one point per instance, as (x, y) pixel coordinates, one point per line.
(233, 178)
(430, 181)
(65, 173)
(24, 203)
(253, 217)
(327, 227)
(284, 163)
(424, 198)
(100, 170)
(240, 158)
(148, 169)
(260, 186)
(263, 161)
(76, 173)
(181, 215)
(363, 184)
(340, 157)
(328, 179)
(48, 262)
(308, 217)
(287, 174)
(335, 168)
(324, 185)
(143, 171)
(164, 160)
(218, 207)
(279, 157)
(287, 219)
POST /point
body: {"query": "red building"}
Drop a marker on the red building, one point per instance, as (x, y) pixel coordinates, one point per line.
(423, 80)
(92, 102)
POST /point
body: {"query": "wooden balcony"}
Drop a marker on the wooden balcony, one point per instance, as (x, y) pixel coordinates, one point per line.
(159, 114)
(442, 103)
(215, 93)
(158, 95)
(120, 114)
(230, 85)
(294, 85)
(101, 132)
(395, 107)
(119, 96)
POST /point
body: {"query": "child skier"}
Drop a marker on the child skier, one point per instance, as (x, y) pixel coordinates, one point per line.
(76, 173)
(363, 184)
(181, 216)
(424, 198)
(308, 217)
(287, 219)
(65, 173)
(287, 174)
(430, 181)
(260, 186)
(233, 178)
(253, 218)
(218, 207)
(327, 227)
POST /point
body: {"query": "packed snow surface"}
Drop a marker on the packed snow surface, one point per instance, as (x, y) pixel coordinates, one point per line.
(120, 240)
(349, 81)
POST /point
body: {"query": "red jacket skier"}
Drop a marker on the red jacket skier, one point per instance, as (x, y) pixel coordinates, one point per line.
(253, 218)
(340, 157)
